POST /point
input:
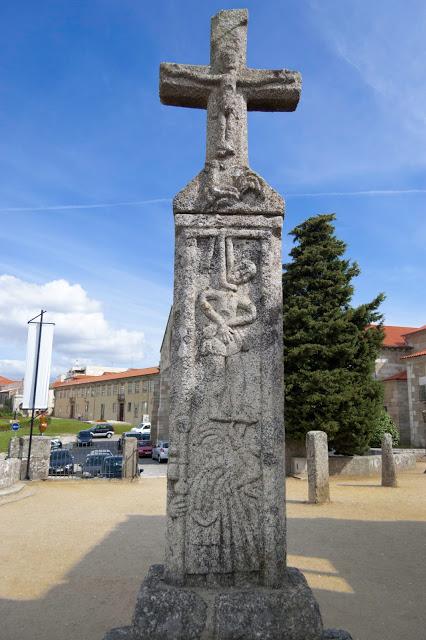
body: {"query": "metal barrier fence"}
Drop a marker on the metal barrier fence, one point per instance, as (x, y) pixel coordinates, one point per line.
(101, 459)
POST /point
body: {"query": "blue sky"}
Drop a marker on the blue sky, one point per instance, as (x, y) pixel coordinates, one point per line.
(83, 133)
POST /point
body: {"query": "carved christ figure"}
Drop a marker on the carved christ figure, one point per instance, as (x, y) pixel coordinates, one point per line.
(229, 309)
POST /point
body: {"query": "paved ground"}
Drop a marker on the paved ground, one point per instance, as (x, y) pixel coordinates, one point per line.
(73, 554)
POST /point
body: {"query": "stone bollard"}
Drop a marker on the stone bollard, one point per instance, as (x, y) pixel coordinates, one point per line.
(317, 461)
(388, 462)
(130, 458)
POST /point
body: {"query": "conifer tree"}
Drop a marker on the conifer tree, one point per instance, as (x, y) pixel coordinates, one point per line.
(329, 353)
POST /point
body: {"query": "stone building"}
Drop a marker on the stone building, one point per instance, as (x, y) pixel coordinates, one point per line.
(402, 368)
(162, 430)
(130, 396)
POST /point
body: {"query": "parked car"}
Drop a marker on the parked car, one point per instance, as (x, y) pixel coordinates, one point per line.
(92, 466)
(102, 430)
(133, 434)
(55, 443)
(112, 467)
(84, 438)
(61, 461)
(144, 448)
(143, 427)
(161, 451)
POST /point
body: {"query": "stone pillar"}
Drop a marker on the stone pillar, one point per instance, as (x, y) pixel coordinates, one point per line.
(225, 574)
(130, 458)
(40, 455)
(317, 462)
(388, 462)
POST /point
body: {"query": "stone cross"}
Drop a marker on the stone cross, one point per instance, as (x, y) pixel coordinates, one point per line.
(225, 574)
(227, 89)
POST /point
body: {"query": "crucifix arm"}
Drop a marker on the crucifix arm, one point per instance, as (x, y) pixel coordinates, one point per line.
(185, 85)
(270, 90)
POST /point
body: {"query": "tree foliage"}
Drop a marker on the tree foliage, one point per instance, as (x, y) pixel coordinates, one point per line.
(384, 424)
(329, 353)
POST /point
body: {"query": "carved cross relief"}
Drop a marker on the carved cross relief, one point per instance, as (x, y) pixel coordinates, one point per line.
(227, 88)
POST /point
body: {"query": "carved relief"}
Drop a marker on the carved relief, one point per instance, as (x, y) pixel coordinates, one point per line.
(225, 187)
(230, 310)
(223, 500)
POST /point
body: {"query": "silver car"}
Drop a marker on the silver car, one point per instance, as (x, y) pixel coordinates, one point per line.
(161, 451)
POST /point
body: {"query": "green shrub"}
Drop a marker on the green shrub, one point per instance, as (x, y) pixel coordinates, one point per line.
(384, 424)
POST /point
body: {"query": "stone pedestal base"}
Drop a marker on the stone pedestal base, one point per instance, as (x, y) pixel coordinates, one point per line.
(166, 612)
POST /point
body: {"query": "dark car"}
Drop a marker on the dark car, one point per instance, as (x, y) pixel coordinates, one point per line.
(145, 449)
(84, 438)
(141, 437)
(93, 464)
(102, 430)
(112, 467)
(61, 461)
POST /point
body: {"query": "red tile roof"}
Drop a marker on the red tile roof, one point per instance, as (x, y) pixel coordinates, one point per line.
(401, 375)
(423, 328)
(130, 373)
(394, 336)
(4, 380)
(417, 354)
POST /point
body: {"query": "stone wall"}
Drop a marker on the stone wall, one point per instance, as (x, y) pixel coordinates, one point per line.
(9, 471)
(389, 361)
(396, 404)
(40, 456)
(416, 376)
(162, 430)
(367, 465)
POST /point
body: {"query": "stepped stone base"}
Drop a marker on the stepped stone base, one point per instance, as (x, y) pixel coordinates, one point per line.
(166, 612)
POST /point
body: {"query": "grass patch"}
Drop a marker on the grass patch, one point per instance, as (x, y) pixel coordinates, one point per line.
(57, 427)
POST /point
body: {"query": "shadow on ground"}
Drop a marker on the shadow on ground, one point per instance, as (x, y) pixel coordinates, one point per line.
(382, 562)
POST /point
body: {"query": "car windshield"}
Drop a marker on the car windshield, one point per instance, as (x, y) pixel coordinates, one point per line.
(57, 456)
(84, 434)
(93, 461)
(165, 445)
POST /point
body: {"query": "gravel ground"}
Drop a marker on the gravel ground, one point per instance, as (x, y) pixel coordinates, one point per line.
(73, 555)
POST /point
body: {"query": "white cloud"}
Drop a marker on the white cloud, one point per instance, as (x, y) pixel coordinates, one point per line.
(82, 331)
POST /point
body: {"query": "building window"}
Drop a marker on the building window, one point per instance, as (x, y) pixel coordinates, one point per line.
(109, 390)
(122, 388)
(130, 387)
(115, 391)
(92, 391)
(422, 393)
(86, 407)
(114, 407)
(103, 390)
(137, 387)
(129, 407)
(145, 385)
(145, 406)
(136, 410)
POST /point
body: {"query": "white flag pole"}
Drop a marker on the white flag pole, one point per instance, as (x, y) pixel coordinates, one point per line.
(32, 375)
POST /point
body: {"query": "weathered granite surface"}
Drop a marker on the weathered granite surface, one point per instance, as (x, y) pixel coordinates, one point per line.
(388, 462)
(130, 458)
(40, 455)
(317, 463)
(225, 575)
(227, 89)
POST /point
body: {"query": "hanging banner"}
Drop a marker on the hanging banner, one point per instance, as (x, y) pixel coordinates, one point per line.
(44, 361)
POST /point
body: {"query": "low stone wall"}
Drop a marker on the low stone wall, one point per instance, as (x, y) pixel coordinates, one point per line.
(9, 471)
(40, 456)
(419, 453)
(367, 465)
